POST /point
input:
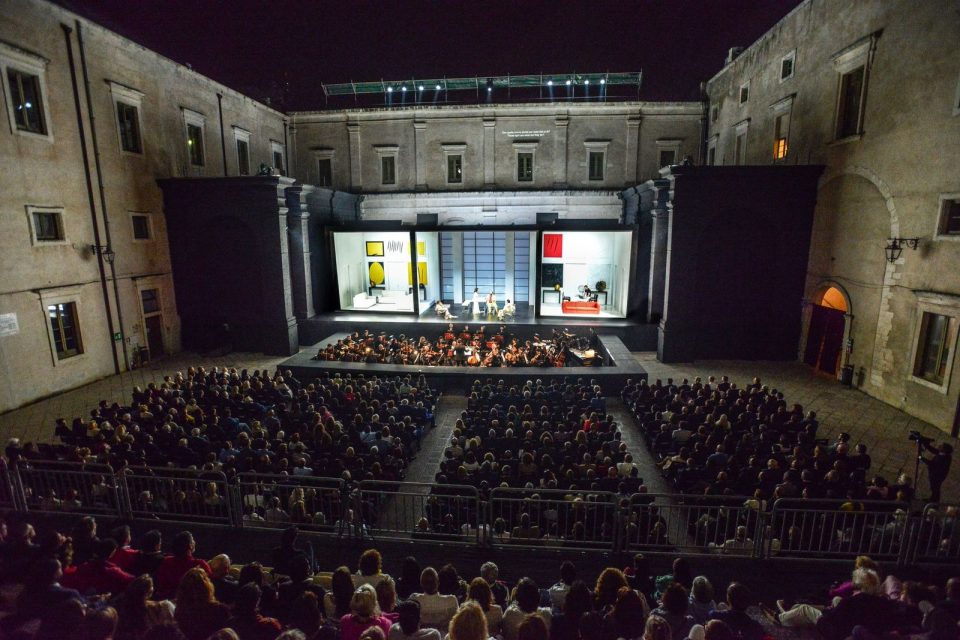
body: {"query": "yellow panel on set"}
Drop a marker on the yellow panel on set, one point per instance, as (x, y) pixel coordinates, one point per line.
(422, 272)
(376, 273)
(421, 248)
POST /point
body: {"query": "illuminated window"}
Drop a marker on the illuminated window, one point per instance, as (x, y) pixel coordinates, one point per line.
(23, 91)
(524, 167)
(454, 168)
(388, 170)
(933, 347)
(780, 135)
(27, 105)
(66, 332)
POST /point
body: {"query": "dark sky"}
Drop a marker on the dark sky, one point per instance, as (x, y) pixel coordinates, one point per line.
(285, 49)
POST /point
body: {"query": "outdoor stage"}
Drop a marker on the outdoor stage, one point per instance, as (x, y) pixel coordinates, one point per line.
(618, 365)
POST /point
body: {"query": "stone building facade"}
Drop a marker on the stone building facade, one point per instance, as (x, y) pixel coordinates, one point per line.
(870, 89)
(88, 122)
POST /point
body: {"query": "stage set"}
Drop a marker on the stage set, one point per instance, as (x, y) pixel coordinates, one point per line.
(703, 263)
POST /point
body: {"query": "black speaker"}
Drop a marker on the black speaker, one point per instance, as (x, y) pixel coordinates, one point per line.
(428, 220)
(547, 217)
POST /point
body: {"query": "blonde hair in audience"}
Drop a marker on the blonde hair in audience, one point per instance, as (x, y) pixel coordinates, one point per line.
(468, 623)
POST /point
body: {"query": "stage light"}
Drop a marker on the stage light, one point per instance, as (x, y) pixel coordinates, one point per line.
(389, 89)
(421, 87)
(603, 81)
(438, 87)
(549, 83)
(489, 88)
(568, 83)
(587, 81)
(404, 89)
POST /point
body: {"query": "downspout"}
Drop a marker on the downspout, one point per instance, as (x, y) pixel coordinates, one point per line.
(93, 207)
(286, 151)
(704, 122)
(223, 140)
(103, 197)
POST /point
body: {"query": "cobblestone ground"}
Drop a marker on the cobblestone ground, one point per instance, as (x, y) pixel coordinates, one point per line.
(884, 429)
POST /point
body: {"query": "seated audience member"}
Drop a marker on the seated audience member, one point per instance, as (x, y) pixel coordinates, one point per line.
(407, 626)
(387, 599)
(479, 592)
(607, 590)
(151, 554)
(568, 573)
(247, 620)
(577, 603)
(409, 581)
(175, 566)
(436, 610)
(125, 556)
(735, 617)
(98, 574)
(533, 628)
(369, 569)
(526, 601)
(98, 624)
(490, 574)
(336, 602)
(198, 613)
(866, 608)
(718, 630)
(701, 600)
(656, 628)
(138, 612)
(627, 617)
(364, 613)
(225, 586)
(469, 623)
(673, 609)
(42, 589)
(288, 551)
(300, 582)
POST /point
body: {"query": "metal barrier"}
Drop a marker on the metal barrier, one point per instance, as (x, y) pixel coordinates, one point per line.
(691, 524)
(181, 495)
(936, 535)
(575, 519)
(582, 520)
(313, 504)
(840, 530)
(401, 510)
(50, 487)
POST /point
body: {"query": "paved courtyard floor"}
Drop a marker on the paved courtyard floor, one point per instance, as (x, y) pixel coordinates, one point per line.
(881, 427)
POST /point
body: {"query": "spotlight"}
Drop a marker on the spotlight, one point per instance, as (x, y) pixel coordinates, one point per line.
(404, 89)
(568, 83)
(587, 81)
(438, 87)
(489, 88)
(421, 87)
(389, 89)
(549, 83)
(603, 81)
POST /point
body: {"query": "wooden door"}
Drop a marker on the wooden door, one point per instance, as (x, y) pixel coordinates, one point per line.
(825, 339)
(154, 327)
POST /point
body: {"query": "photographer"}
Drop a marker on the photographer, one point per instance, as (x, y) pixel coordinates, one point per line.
(938, 466)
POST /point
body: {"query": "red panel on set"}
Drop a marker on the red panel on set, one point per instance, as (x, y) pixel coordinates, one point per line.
(552, 245)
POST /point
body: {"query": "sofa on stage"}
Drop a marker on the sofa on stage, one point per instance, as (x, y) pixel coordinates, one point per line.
(581, 306)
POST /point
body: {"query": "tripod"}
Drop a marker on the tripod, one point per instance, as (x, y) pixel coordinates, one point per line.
(916, 465)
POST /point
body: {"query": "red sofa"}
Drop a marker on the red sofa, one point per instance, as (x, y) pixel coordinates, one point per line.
(581, 306)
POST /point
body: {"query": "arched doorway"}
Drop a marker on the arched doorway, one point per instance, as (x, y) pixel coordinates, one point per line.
(826, 330)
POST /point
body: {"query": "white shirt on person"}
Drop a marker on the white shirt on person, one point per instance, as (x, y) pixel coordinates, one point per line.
(396, 633)
(436, 609)
(514, 616)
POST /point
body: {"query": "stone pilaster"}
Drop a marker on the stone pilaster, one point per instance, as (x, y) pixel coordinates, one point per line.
(632, 151)
(301, 280)
(489, 154)
(420, 147)
(560, 154)
(356, 175)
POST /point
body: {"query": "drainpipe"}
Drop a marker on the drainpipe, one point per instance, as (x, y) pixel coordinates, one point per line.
(704, 122)
(93, 207)
(103, 197)
(223, 140)
(286, 151)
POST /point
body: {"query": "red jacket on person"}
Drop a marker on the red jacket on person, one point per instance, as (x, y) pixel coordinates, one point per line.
(125, 558)
(97, 576)
(171, 571)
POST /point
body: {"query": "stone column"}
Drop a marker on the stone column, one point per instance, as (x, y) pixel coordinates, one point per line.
(560, 151)
(633, 150)
(298, 232)
(660, 216)
(356, 177)
(489, 155)
(420, 147)
(282, 331)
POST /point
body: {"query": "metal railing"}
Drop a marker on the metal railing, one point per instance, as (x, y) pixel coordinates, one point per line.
(789, 529)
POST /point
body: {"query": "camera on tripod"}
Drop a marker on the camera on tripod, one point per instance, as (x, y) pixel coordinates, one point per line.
(919, 438)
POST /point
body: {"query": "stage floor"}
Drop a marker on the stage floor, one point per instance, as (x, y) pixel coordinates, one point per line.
(621, 366)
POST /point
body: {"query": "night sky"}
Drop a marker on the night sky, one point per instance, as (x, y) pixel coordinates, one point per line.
(283, 50)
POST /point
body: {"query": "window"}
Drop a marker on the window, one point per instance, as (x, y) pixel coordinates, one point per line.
(740, 144)
(24, 91)
(668, 152)
(277, 152)
(454, 168)
(668, 158)
(388, 170)
(47, 225)
(744, 92)
(714, 113)
(66, 332)
(243, 157)
(595, 163)
(933, 348)
(781, 129)
(150, 300)
(325, 172)
(525, 167)
(786, 65)
(712, 151)
(129, 123)
(948, 222)
(193, 123)
(850, 110)
(956, 100)
(141, 226)
(852, 65)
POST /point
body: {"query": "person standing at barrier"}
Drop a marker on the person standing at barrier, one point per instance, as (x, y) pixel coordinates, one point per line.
(938, 467)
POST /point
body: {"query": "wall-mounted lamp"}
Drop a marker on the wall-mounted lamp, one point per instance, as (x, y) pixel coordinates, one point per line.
(104, 251)
(895, 247)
